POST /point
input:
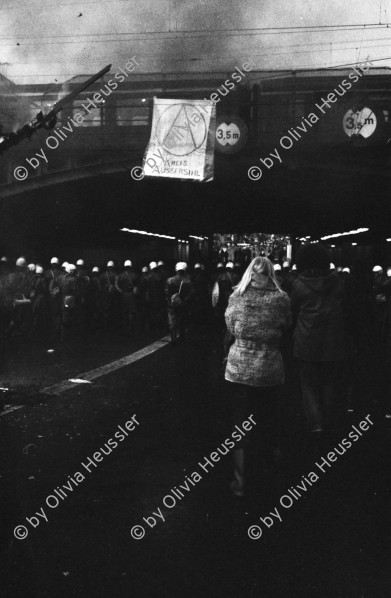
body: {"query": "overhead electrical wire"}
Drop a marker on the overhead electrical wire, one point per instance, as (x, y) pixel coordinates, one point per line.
(250, 55)
(284, 69)
(206, 32)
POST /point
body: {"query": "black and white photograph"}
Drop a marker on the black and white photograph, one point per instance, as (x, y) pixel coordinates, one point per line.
(195, 299)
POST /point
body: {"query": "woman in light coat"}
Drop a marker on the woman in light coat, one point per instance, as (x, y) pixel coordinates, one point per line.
(257, 315)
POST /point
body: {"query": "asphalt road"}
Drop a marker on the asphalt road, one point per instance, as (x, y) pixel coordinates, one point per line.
(332, 541)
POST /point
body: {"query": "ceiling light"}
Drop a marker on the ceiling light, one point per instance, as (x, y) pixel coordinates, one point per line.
(351, 232)
(143, 232)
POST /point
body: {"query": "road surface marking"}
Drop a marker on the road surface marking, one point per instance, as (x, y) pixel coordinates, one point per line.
(61, 387)
(57, 389)
(13, 408)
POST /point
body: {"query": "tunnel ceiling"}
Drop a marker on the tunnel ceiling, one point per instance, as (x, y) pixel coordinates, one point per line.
(306, 201)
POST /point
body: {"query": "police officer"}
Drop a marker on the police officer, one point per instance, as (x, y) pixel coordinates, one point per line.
(19, 289)
(68, 285)
(143, 299)
(82, 308)
(39, 295)
(126, 285)
(379, 301)
(52, 277)
(95, 318)
(156, 295)
(162, 272)
(179, 291)
(200, 301)
(108, 290)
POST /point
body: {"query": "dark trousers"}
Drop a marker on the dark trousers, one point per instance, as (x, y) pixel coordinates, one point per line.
(317, 380)
(264, 404)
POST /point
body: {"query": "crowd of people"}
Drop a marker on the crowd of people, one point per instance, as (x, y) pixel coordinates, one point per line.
(71, 298)
(328, 309)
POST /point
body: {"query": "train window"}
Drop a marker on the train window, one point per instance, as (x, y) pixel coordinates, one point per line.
(131, 113)
(91, 117)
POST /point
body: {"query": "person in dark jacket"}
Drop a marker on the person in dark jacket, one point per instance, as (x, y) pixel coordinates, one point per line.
(317, 304)
(258, 312)
(108, 294)
(52, 280)
(225, 282)
(387, 291)
(143, 299)
(126, 285)
(200, 298)
(379, 303)
(68, 286)
(156, 295)
(162, 273)
(39, 295)
(179, 291)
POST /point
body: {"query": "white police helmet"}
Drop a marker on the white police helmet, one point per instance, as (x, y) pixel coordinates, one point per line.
(80, 263)
(180, 266)
(55, 260)
(127, 264)
(285, 265)
(31, 267)
(153, 265)
(347, 270)
(197, 266)
(332, 266)
(160, 263)
(64, 265)
(95, 269)
(377, 269)
(277, 267)
(110, 264)
(144, 269)
(70, 268)
(39, 270)
(294, 267)
(21, 262)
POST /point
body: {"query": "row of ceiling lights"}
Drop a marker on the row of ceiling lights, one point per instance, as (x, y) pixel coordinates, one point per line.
(336, 235)
(143, 232)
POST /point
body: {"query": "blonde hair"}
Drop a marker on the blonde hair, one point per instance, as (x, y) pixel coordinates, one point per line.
(259, 265)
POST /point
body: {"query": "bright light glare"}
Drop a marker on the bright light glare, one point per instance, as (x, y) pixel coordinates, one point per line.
(351, 232)
(143, 232)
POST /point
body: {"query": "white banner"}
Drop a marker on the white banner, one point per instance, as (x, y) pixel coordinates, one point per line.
(182, 140)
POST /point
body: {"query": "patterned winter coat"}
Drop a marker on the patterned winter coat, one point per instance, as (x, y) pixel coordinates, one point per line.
(257, 320)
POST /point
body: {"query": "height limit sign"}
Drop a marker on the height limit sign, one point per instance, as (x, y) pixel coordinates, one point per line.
(231, 134)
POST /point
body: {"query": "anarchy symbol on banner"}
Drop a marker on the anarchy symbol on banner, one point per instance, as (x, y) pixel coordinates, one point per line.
(181, 130)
